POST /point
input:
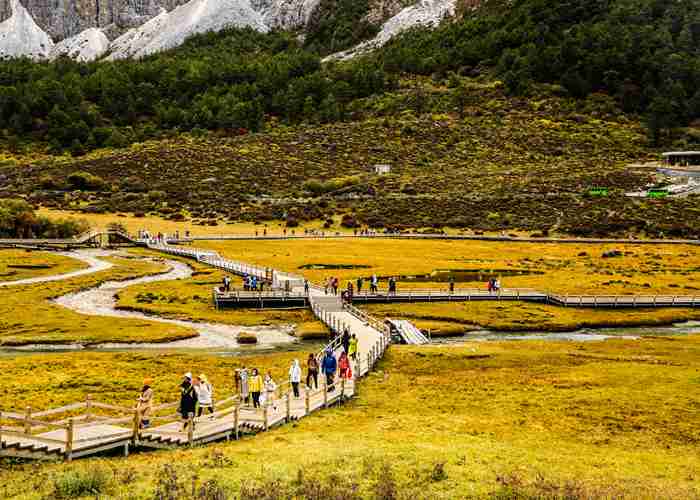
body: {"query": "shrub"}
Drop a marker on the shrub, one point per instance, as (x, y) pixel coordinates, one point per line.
(247, 338)
(79, 483)
(84, 181)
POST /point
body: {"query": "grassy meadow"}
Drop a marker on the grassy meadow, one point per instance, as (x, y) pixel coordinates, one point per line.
(500, 420)
(27, 316)
(18, 265)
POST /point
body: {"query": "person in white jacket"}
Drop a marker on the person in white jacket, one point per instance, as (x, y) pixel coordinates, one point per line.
(295, 377)
(205, 394)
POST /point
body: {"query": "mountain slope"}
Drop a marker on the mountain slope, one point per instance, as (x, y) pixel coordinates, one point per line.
(21, 36)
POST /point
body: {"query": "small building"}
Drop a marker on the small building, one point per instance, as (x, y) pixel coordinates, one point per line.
(682, 158)
(382, 169)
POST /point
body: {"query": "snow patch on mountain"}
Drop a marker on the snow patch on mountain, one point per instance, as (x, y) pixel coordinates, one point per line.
(170, 29)
(21, 36)
(424, 13)
(87, 46)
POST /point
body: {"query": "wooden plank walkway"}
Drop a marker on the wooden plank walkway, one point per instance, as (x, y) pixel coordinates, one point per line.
(104, 427)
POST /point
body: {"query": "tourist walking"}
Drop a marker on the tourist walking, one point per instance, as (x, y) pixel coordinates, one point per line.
(374, 284)
(452, 285)
(335, 286)
(256, 387)
(144, 403)
(326, 285)
(244, 390)
(352, 347)
(270, 388)
(312, 371)
(306, 287)
(346, 340)
(344, 366)
(205, 393)
(329, 367)
(360, 282)
(295, 377)
(188, 399)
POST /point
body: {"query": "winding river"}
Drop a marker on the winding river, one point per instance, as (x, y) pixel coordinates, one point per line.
(102, 301)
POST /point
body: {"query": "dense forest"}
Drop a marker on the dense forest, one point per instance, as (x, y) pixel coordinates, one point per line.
(643, 52)
(646, 53)
(228, 80)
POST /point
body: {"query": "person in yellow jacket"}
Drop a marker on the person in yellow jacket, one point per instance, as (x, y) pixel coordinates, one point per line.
(255, 385)
(352, 347)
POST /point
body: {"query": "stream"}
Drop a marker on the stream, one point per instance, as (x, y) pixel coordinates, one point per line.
(102, 301)
(221, 338)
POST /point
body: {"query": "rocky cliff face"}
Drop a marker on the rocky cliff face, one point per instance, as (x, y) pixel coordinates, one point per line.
(62, 19)
(92, 29)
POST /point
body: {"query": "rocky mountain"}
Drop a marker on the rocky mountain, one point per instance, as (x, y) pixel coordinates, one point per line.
(92, 29)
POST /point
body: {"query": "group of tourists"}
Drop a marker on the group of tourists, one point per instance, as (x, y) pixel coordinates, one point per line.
(197, 393)
(493, 285)
(332, 284)
(145, 235)
(252, 283)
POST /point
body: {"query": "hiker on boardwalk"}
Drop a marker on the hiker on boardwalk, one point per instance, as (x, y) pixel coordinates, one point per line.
(256, 387)
(243, 389)
(326, 285)
(344, 366)
(346, 340)
(205, 393)
(374, 284)
(335, 286)
(392, 286)
(188, 399)
(452, 285)
(306, 287)
(352, 347)
(312, 371)
(360, 282)
(329, 367)
(270, 388)
(351, 291)
(246, 282)
(295, 377)
(490, 285)
(496, 285)
(144, 403)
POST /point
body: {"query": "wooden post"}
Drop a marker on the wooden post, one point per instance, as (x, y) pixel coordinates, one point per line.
(325, 392)
(0, 431)
(70, 433)
(190, 429)
(27, 417)
(342, 389)
(289, 406)
(265, 415)
(307, 402)
(88, 408)
(236, 418)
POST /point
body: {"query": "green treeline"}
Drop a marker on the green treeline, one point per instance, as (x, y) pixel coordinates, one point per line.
(646, 53)
(18, 220)
(228, 80)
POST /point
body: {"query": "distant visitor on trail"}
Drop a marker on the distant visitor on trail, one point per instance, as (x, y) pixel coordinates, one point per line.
(188, 399)
(205, 393)
(256, 387)
(295, 377)
(312, 372)
(144, 403)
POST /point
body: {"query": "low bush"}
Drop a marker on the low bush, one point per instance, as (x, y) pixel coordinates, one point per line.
(79, 483)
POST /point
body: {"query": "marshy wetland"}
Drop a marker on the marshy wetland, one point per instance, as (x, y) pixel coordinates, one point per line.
(532, 418)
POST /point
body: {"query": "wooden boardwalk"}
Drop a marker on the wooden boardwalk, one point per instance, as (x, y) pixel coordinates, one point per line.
(90, 427)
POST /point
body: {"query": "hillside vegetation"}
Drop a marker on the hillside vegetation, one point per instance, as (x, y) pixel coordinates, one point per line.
(502, 119)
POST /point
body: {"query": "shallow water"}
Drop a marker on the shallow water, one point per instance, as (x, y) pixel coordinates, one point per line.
(101, 301)
(583, 335)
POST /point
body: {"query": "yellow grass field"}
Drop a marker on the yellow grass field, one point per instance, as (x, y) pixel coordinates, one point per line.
(18, 265)
(27, 316)
(614, 419)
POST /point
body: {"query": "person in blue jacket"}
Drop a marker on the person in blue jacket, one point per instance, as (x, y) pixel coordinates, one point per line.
(329, 366)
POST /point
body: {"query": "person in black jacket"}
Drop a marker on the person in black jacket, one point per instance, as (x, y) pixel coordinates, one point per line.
(188, 399)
